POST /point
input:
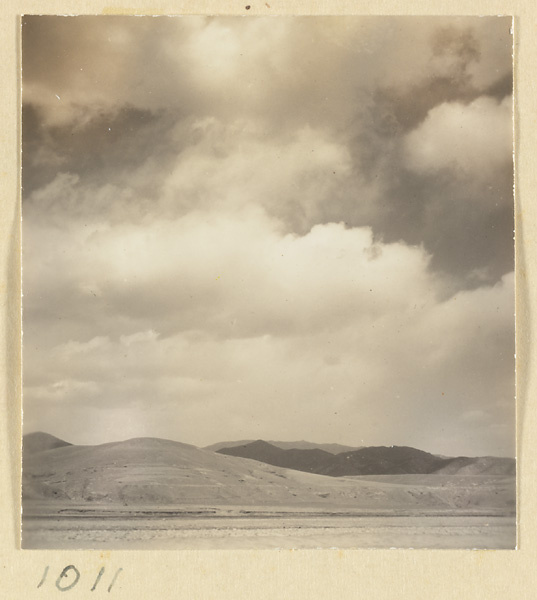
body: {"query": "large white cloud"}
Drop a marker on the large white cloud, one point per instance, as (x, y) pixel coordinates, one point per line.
(473, 139)
(232, 273)
(328, 335)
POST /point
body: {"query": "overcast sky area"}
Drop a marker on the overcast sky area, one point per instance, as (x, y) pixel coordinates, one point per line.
(276, 228)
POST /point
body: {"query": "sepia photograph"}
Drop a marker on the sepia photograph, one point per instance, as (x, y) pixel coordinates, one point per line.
(268, 282)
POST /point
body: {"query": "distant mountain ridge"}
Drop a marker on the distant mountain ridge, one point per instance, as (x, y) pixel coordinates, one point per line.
(299, 445)
(376, 460)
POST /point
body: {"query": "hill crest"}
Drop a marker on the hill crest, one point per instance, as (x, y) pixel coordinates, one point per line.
(39, 441)
(332, 448)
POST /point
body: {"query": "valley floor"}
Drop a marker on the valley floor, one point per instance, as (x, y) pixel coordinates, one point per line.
(241, 528)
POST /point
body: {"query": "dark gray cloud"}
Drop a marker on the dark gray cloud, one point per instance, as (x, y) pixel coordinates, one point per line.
(107, 148)
(309, 78)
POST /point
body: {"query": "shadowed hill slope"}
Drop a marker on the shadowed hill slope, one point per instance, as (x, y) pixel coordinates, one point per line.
(310, 461)
(485, 465)
(380, 460)
(385, 460)
(40, 441)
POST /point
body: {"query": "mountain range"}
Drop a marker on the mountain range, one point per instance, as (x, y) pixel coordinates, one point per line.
(380, 460)
(159, 475)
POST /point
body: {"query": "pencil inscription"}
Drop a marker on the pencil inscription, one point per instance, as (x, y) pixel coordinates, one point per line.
(70, 577)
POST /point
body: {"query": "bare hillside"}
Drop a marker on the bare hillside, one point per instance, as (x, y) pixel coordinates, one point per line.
(154, 472)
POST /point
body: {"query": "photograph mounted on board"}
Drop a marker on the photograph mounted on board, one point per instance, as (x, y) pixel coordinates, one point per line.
(268, 282)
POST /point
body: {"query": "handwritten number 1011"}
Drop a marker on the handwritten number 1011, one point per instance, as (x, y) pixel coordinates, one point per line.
(70, 576)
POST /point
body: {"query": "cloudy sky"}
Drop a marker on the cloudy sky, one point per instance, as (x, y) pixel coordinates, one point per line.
(278, 228)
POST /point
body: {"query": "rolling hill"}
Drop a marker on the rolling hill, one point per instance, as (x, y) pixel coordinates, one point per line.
(150, 471)
(39, 441)
(156, 473)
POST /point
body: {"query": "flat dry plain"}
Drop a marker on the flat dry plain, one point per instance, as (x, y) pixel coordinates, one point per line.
(264, 530)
